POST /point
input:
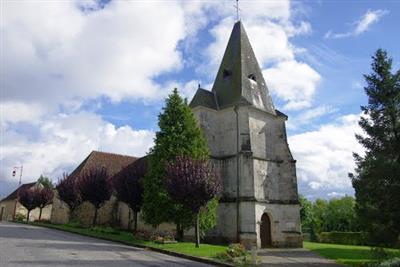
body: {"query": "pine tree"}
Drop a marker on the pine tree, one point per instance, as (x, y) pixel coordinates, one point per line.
(179, 135)
(377, 177)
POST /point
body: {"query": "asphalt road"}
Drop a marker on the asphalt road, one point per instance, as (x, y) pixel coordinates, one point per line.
(25, 245)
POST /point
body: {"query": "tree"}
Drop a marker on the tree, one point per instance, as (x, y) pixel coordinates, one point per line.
(208, 217)
(340, 214)
(193, 183)
(68, 192)
(45, 181)
(129, 188)
(306, 213)
(179, 134)
(44, 196)
(26, 196)
(376, 180)
(94, 186)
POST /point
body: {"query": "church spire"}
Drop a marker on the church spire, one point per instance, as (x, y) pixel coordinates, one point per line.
(239, 78)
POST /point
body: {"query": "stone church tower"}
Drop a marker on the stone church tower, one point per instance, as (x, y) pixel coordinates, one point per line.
(247, 140)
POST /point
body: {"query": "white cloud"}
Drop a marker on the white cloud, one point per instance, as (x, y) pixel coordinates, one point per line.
(63, 141)
(296, 91)
(53, 52)
(14, 112)
(308, 116)
(324, 157)
(361, 26)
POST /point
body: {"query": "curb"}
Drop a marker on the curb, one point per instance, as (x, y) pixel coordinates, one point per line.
(167, 252)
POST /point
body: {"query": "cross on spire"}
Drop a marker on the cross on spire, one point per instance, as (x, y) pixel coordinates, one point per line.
(237, 10)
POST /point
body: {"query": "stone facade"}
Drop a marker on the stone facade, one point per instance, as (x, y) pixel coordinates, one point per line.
(247, 141)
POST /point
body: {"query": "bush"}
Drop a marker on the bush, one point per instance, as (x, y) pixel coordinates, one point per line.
(395, 262)
(235, 253)
(142, 235)
(236, 250)
(345, 238)
(19, 217)
(379, 254)
(163, 237)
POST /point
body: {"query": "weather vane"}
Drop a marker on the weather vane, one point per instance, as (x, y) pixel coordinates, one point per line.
(237, 10)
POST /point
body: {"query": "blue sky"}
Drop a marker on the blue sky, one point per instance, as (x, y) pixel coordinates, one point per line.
(78, 76)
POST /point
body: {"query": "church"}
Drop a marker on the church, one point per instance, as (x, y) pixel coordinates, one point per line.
(248, 144)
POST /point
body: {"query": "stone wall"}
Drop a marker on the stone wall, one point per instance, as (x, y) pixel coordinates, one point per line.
(9, 206)
(8, 209)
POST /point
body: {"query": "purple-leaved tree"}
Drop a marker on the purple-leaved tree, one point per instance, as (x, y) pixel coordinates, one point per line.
(44, 196)
(193, 183)
(26, 196)
(94, 187)
(68, 192)
(129, 188)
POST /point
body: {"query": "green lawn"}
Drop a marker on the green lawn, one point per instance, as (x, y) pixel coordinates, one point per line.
(346, 254)
(205, 250)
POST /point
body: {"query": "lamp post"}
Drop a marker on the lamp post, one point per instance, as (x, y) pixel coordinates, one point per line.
(15, 169)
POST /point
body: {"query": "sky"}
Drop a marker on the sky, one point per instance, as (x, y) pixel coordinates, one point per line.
(78, 76)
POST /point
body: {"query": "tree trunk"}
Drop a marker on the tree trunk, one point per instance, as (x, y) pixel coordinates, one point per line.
(95, 215)
(135, 221)
(27, 216)
(197, 230)
(179, 232)
(129, 219)
(40, 213)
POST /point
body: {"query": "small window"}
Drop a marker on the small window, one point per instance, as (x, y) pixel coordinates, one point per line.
(226, 73)
(252, 77)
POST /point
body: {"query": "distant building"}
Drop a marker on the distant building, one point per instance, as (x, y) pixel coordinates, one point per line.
(10, 206)
(84, 213)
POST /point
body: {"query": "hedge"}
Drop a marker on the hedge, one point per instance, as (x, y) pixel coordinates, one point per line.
(345, 238)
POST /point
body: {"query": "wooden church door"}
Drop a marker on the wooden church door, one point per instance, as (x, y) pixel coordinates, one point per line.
(265, 231)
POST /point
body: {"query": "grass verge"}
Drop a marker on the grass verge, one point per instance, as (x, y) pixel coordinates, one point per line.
(347, 254)
(205, 251)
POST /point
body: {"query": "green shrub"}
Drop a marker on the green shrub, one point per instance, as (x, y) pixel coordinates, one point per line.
(345, 238)
(395, 262)
(379, 254)
(236, 250)
(235, 253)
(19, 217)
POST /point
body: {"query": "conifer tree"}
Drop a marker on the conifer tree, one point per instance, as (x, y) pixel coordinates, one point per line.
(179, 135)
(377, 177)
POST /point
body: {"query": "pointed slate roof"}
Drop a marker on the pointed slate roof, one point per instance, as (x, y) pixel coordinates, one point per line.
(204, 98)
(239, 79)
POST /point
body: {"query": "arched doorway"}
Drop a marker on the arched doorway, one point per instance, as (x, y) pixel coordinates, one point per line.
(265, 231)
